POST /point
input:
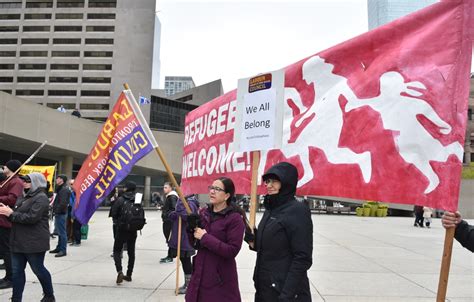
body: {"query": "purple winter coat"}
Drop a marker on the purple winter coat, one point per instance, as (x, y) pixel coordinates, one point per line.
(215, 272)
(173, 216)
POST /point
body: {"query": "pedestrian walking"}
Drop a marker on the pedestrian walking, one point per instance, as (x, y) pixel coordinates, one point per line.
(60, 207)
(169, 206)
(427, 213)
(418, 216)
(124, 233)
(219, 231)
(187, 249)
(30, 236)
(283, 240)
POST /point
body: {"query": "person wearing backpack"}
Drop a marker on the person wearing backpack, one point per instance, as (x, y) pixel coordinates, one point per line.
(130, 219)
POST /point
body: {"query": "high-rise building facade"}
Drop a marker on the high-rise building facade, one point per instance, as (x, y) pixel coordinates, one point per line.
(177, 84)
(76, 53)
(155, 79)
(381, 12)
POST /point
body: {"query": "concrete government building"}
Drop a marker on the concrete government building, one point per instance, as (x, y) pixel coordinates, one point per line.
(76, 53)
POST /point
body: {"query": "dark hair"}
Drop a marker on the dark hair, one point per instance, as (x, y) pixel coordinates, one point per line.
(168, 184)
(229, 188)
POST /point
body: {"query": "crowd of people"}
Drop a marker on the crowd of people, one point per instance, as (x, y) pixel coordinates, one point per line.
(211, 237)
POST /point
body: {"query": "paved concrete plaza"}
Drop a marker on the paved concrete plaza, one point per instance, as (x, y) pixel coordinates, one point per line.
(355, 259)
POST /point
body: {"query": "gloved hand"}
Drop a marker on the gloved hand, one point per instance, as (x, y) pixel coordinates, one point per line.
(249, 236)
(194, 221)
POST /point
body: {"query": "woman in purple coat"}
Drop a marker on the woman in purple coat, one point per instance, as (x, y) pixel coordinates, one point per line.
(219, 233)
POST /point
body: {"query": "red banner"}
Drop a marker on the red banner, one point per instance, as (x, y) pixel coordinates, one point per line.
(379, 117)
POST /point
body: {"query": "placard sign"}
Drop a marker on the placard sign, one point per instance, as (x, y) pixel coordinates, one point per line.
(259, 119)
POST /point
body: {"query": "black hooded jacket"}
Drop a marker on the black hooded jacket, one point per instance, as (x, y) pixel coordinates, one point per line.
(284, 242)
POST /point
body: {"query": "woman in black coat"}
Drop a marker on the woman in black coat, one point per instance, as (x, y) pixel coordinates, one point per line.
(283, 240)
(29, 237)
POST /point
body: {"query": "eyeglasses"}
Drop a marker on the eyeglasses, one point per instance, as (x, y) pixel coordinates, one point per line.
(27, 180)
(270, 181)
(217, 189)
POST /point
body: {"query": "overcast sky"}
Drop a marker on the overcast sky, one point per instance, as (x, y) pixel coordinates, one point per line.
(231, 39)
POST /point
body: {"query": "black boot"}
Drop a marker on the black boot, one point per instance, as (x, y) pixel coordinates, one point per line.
(182, 289)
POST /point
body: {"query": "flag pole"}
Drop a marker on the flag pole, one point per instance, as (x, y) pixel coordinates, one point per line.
(178, 255)
(26, 162)
(168, 169)
(445, 265)
(253, 189)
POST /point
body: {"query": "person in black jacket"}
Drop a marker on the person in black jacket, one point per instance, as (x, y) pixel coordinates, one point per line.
(123, 235)
(29, 238)
(283, 240)
(60, 204)
(464, 233)
(169, 206)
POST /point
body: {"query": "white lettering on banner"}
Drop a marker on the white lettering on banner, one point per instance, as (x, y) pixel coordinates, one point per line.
(215, 122)
(215, 160)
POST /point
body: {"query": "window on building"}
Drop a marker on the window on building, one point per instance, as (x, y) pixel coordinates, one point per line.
(69, 16)
(13, 4)
(62, 79)
(6, 79)
(102, 3)
(29, 92)
(100, 41)
(39, 4)
(64, 66)
(70, 3)
(36, 28)
(32, 66)
(100, 16)
(98, 54)
(8, 41)
(8, 53)
(9, 16)
(35, 41)
(86, 106)
(7, 66)
(33, 53)
(68, 28)
(9, 28)
(66, 41)
(37, 16)
(95, 93)
(62, 92)
(65, 53)
(100, 80)
(30, 79)
(7, 91)
(97, 67)
(100, 28)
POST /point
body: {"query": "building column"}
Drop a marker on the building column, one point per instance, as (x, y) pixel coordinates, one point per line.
(147, 191)
(66, 166)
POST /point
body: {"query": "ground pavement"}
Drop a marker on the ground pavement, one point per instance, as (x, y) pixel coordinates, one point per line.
(354, 259)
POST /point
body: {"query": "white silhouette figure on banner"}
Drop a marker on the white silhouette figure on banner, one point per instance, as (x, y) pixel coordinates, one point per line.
(324, 129)
(397, 105)
(398, 112)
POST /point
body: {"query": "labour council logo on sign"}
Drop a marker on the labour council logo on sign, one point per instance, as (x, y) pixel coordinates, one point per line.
(259, 119)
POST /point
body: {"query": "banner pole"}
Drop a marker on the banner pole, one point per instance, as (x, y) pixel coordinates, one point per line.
(445, 265)
(253, 189)
(178, 255)
(22, 165)
(167, 167)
